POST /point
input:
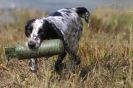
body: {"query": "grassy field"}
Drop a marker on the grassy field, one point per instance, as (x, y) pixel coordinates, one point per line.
(106, 51)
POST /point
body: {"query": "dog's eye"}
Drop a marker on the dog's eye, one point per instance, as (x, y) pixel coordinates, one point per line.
(28, 31)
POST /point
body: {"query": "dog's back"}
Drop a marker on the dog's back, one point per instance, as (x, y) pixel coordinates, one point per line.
(69, 23)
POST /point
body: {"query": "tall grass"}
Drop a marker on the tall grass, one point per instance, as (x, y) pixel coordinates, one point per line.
(105, 50)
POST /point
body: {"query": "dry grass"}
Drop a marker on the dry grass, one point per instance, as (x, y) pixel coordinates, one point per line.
(105, 48)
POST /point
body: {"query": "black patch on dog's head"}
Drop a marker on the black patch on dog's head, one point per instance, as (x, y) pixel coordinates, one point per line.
(29, 27)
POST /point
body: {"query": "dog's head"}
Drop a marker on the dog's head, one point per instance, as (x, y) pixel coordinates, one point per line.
(35, 30)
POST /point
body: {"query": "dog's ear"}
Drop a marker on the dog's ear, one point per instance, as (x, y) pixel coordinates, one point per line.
(83, 12)
(50, 29)
(28, 23)
(28, 27)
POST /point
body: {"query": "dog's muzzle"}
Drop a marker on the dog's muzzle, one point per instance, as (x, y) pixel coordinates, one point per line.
(34, 43)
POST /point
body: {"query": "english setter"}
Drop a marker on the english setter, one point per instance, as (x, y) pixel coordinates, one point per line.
(64, 24)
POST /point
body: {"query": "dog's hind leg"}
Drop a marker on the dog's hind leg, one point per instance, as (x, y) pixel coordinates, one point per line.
(58, 63)
(75, 58)
(33, 64)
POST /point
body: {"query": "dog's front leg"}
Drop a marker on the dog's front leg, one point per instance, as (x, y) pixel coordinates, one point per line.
(33, 64)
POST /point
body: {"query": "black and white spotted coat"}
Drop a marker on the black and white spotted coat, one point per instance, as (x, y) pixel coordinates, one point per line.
(65, 24)
(69, 25)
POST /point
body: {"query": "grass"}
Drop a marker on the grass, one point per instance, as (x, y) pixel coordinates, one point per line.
(105, 49)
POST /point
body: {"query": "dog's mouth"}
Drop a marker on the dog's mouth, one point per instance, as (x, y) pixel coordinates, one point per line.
(34, 48)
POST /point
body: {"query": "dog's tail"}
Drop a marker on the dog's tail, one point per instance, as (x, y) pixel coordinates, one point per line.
(83, 12)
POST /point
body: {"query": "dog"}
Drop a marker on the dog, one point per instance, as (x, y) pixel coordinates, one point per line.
(64, 24)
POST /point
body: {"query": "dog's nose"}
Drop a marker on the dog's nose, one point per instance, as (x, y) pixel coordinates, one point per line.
(31, 44)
